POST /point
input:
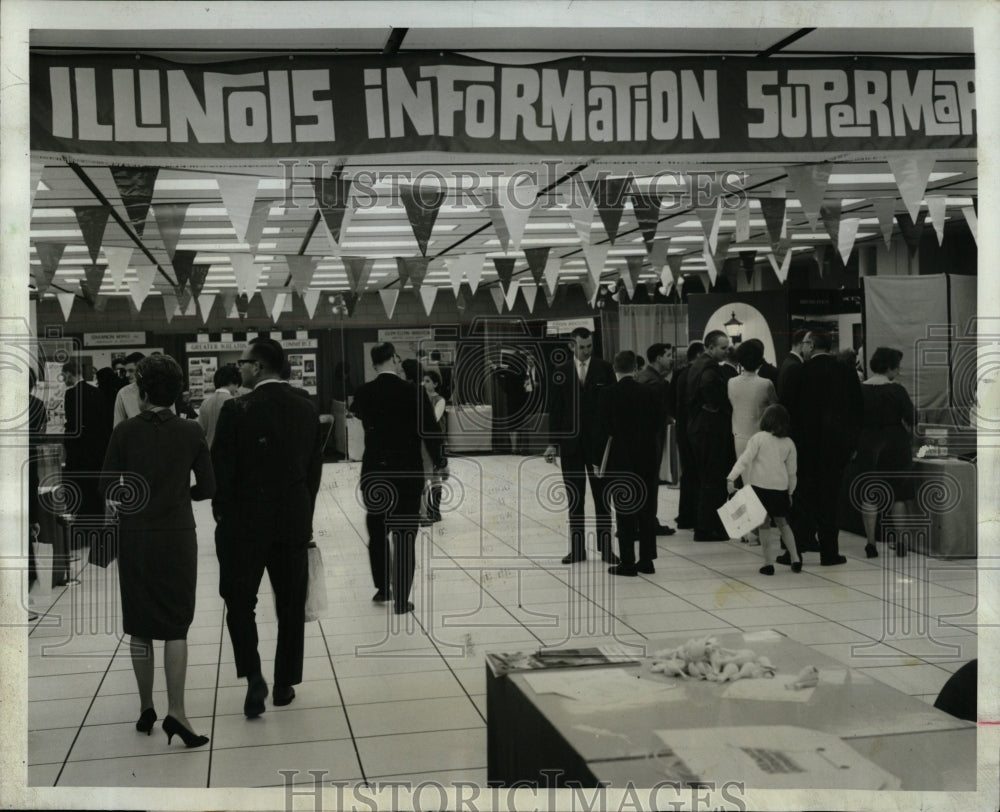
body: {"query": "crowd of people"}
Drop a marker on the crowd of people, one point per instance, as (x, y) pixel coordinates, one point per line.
(255, 448)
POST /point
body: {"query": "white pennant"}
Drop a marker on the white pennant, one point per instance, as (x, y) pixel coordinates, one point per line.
(582, 214)
(510, 297)
(205, 302)
(590, 290)
(743, 222)
(428, 293)
(278, 306)
(258, 219)
(66, 303)
(912, 171)
(846, 236)
(247, 273)
(143, 282)
(118, 259)
(467, 266)
(810, 182)
(936, 205)
(781, 271)
(706, 252)
(169, 306)
(885, 210)
(497, 295)
(389, 298)
(530, 292)
(36, 178)
(474, 271)
(666, 277)
(712, 232)
(192, 307)
(268, 297)
(596, 256)
(551, 274)
(310, 299)
(238, 194)
(973, 220)
(516, 206)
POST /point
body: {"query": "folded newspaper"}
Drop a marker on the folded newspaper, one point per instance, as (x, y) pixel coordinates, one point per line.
(505, 663)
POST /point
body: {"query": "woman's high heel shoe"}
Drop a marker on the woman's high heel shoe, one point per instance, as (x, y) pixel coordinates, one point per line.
(172, 726)
(871, 551)
(145, 723)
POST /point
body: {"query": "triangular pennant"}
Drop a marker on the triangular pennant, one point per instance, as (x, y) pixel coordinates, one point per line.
(310, 299)
(332, 197)
(550, 295)
(428, 293)
(492, 208)
(258, 219)
(530, 293)
(658, 253)
(170, 221)
(192, 305)
(229, 303)
(710, 218)
(596, 256)
(278, 306)
(242, 305)
(389, 298)
(773, 209)
(590, 290)
(301, 269)
(94, 275)
(464, 266)
(169, 306)
(133, 311)
(37, 167)
(268, 296)
(912, 171)
(675, 261)
(118, 259)
(517, 205)
(936, 205)
(66, 303)
(474, 271)
(422, 208)
(358, 270)
(238, 194)
(781, 250)
(646, 208)
(49, 254)
(199, 272)
(911, 231)
(552, 268)
(183, 300)
(135, 187)
(743, 222)
(781, 270)
(707, 255)
(809, 183)
(205, 302)
(633, 267)
(505, 271)
(498, 298)
(829, 213)
(510, 295)
(581, 210)
(247, 273)
(972, 218)
(609, 197)
(536, 258)
(412, 270)
(92, 221)
(144, 276)
(183, 262)
(748, 259)
(885, 210)
(666, 278)
(721, 252)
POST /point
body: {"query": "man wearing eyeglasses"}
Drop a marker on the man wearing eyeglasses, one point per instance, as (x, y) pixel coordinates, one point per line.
(268, 461)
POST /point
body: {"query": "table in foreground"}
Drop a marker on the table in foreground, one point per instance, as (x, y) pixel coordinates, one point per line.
(545, 739)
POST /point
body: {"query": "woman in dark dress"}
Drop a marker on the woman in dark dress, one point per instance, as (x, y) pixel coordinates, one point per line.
(147, 471)
(885, 445)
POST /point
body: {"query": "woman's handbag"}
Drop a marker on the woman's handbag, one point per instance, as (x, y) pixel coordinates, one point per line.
(316, 603)
(742, 513)
(104, 547)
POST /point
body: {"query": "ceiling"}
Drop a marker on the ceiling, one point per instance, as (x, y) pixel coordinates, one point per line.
(379, 228)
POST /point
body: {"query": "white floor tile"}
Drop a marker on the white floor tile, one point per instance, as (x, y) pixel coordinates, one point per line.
(424, 752)
(251, 766)
(181, 768)
(393, 718)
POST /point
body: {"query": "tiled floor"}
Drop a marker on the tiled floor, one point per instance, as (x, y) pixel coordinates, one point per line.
(389, 698)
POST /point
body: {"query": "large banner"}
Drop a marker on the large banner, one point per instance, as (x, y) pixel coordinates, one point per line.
(128, 107)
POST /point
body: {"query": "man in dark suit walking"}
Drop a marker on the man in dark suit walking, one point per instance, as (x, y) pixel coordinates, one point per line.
(268, 462)
(660, 361)
(710, 431)
(86, 438)
(397, 416)
(687, 502)
(630, 414)
(824, 402)
(574, 435)
(791, 364)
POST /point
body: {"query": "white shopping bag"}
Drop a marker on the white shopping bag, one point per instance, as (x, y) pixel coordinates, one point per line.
(742, 513)
(316, 603)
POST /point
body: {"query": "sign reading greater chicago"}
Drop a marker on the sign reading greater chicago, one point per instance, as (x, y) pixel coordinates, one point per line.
(123, 106)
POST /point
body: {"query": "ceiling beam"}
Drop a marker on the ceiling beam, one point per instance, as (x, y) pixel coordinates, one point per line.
(781, 44)
(394, 41)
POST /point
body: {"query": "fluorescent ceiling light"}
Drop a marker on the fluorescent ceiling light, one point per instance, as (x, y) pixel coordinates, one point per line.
(382, 244)
(47, 213)
(63, 233)
(399, 229)
(537, 241)
(186, 184)
(883, 177)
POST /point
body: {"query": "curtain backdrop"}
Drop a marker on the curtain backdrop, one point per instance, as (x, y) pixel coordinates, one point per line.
(642, 325)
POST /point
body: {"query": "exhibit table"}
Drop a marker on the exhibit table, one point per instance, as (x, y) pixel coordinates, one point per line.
(952, 532)
(609, 735)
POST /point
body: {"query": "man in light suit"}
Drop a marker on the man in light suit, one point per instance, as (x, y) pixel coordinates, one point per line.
(397, 416)
(629, 415)
(574, 435)
(268, 462)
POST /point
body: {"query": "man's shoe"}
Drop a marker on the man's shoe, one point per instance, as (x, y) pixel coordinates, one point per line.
(709, 537)
(785, 558)
(381, 596)
(572, 559)
(283, 695)
(402, 610)
(624, 569)
(832, 562)
(253, 705)
(663, 530)
(645, 567)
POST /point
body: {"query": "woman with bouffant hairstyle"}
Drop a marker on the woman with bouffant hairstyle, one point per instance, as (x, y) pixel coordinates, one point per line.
(157, 543)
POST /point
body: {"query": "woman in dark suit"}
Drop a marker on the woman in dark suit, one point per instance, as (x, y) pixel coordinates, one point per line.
(152, 456)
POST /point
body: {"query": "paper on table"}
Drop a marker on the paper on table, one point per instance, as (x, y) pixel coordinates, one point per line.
(769, 690)
(607, 687)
